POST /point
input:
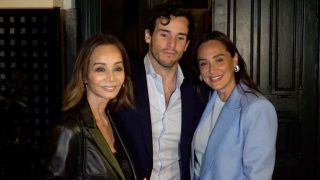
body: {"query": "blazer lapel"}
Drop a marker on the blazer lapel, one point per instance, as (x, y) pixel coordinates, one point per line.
(99, 139)
(106, 151)
(228, 114)
(205, 114)
(208, 110)
(141, 93)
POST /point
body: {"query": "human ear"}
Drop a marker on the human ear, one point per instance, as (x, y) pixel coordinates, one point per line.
(235, 59)
(147, 36)
(188, 41)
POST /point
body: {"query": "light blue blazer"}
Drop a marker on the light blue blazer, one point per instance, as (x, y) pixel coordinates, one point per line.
(242, 144)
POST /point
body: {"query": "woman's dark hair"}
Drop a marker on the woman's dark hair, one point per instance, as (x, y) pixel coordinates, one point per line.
(75, 89)
(165, 10)
(242, 75)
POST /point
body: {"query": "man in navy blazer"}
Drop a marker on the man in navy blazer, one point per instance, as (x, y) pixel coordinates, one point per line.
(159, 131)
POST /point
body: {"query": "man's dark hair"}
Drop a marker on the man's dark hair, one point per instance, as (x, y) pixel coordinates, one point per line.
(170, 8)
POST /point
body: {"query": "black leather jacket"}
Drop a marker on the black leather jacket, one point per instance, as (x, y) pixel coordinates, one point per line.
(77, 150)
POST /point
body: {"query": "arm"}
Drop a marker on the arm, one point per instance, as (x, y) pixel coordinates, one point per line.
(260, 139)
(61, 158)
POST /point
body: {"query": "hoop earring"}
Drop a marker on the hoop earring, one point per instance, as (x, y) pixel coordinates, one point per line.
(236, 68)
(200, 78)
(84, 87)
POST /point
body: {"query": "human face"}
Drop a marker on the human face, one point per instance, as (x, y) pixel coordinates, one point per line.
(106, 73)
(217, 67)
(168, 42)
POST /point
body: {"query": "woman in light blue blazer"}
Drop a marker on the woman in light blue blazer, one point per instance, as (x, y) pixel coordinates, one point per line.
(236, 136)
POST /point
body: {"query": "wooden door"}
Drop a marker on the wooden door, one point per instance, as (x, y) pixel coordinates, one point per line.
(279, 41)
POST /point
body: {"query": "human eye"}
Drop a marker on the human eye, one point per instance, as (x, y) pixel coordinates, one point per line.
(100, 69)
(182, 38)
(202, 64)
(219, 60)
(118, 68)
(164, 34)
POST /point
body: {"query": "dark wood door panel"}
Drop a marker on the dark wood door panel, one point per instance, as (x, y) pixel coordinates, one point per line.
(277, 39)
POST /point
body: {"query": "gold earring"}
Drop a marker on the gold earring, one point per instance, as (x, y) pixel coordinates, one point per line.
(84, 86)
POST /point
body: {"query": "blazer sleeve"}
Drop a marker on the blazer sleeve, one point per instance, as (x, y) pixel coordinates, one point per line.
(60, 161)
(260, 133)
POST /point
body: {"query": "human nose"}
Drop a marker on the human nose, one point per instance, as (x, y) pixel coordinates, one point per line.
(109, 75)
(171, 42)
(212, 68)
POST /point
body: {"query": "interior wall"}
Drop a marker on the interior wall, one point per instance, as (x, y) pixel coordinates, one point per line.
(65, 4)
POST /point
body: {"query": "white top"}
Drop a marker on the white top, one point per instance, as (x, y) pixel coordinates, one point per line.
(166, 125)
(203, 132)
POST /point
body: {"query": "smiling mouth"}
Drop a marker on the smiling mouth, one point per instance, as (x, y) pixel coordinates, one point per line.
(109, 88)
(215, 78)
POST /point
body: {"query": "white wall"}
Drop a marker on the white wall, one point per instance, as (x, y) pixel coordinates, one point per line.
(65, 4)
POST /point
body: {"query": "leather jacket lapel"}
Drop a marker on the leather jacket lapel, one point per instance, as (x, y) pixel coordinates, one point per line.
(106, 151)
(116, 132)
(98, 137)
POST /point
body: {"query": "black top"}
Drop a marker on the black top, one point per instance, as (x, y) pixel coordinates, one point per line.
(122, 159)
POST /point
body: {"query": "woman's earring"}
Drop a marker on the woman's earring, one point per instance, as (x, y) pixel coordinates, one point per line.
(236, 68)
(201, 78)
(123, 85)
(84, 86)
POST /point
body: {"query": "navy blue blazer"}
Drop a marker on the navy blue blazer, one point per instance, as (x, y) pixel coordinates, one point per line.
(136, 124)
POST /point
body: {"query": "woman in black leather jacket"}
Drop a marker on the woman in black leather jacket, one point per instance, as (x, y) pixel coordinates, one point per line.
(86, 143)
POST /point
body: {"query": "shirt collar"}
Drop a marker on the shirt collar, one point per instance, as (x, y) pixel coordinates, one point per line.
(150, 70)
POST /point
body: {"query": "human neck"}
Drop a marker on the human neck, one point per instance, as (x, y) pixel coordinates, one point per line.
(97, 105)
(164, 71)
(225, 93)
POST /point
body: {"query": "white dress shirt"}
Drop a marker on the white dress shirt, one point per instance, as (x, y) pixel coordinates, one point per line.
(166, 125)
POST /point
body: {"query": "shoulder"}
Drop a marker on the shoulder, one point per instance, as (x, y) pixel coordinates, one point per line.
(258, 117)
(137, 66)
(251, 98)
(70, 122)
(138, 71)
(255, 101)
(257, 109)
(255, 106)
(187, 71)
(65, 137)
